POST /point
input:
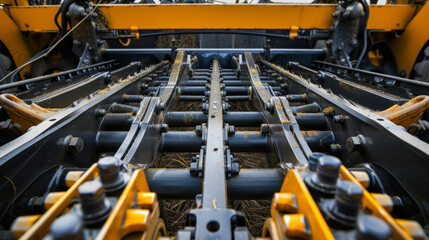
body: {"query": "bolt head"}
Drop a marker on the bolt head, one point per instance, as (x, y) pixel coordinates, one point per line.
(355, 143)
(74, 144)
(109, 164)
(349, 192)
(91, 190)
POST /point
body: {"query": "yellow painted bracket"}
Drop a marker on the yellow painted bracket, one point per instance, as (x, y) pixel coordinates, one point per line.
(407, 47)
(293, 32)
(26, 115)
(41, 227)
(135, 30)
(408, 113)
(369, 203)
(15, 42)
(306, 205)
(135, 211)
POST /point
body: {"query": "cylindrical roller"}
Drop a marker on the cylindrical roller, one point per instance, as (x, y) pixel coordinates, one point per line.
(201, 90)
(110, 141)
(203, 98)
(191, 142)
(193, 98)
(122, 108)
(248, 141)
(250, 184)
(319, 140)
(296, 97)
(241, 119)
(117, 121)
(225, 77)
(180, 142)
(308, 108)
(311, 121)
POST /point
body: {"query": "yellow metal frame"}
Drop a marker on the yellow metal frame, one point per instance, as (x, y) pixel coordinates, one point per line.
(368, 202)
(407, 47)
(16, 19)
(209, 16)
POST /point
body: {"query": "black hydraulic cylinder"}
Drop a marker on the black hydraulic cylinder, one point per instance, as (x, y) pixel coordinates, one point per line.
(251, 141)
(250, 184)
(240, 119)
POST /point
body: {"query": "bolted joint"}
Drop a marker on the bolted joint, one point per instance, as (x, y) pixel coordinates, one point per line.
(199, 130)
(204, 107)
(159, 108)
(335, 148)
(163, 128)
(107, 78)
(73, 144)
(269, 106)
(231, 130)
(265, 128)
(144, 86)
(225, 107)
(99, 112)
(339, 119)
(356, 143)
(93, 202)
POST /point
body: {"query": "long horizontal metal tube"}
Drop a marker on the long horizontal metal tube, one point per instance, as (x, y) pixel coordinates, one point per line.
(186, 90)
(203, 98)
(242, 119)
(251, 141)
(250, 184)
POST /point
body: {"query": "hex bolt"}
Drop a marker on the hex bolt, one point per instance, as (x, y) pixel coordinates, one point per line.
(67, 227)
(144, 86)
(99, 112)
(94, 205)
(163, 128)
(372, 228)
(269, 106)
(204, 107)
(356, 143)
(265, 128)
(325, 179)
(347, 203)
(73, 144)
(225, 107)
(339, 119)
(231, 130)
(110, 175)
(159, 107)
(107, 78)
(335, 148)
(313, 160)
(198, 130)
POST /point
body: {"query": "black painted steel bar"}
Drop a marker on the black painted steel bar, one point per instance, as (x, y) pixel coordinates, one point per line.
(250, 184)
(214, 184)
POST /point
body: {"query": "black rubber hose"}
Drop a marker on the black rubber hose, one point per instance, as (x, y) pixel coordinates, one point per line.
(365, 40)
